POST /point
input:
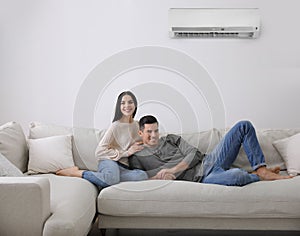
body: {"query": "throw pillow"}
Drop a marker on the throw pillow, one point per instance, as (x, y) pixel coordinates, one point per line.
(84, 141)
(289, 149)
(13, 144)
(8, 169)
(50, 154)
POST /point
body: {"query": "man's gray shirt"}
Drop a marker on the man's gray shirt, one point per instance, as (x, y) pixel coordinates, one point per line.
(171, 150)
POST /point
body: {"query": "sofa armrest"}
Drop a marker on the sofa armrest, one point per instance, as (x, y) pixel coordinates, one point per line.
(24, 205)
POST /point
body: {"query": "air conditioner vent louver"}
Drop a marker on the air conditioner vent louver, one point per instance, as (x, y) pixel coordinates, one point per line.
(214, 23)
(206, 35)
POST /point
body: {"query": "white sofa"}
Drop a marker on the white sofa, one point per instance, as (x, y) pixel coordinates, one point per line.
(163, 204)
(46, 204)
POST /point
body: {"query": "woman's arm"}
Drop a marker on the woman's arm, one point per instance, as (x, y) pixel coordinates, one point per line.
(105, 149)
(118, 142)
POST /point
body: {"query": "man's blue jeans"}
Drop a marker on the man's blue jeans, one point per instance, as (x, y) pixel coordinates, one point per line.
(111, 172)
(217, 164)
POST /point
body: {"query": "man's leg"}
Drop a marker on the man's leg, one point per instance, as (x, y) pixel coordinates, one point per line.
(222, 157)
(227, 150)
(231, 177)
(245, 134)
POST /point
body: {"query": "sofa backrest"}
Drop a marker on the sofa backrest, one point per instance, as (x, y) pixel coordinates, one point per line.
(205, 141)
(85, 140)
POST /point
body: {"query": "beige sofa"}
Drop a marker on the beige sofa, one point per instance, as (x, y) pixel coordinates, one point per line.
(46, 204)
(162, 204)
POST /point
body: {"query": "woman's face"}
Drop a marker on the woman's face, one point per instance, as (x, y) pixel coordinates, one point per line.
(127, 105)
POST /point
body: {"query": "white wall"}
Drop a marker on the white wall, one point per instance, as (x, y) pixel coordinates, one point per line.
(48, 49)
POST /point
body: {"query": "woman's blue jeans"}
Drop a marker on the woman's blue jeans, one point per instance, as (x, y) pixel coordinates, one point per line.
(217, 164)
(111, 172)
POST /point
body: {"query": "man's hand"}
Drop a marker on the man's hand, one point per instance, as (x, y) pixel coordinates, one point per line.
(181, 166)
(169, 177)
(165, 174)
(137, 146)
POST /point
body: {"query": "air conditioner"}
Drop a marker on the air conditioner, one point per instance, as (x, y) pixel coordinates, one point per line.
(214, 23)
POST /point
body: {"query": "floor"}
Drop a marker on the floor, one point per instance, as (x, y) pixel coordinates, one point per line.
(129, 232)
(146, 232)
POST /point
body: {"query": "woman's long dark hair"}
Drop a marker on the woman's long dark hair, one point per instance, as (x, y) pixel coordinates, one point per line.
(118, 113)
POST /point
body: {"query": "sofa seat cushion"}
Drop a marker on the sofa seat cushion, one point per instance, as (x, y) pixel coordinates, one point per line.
(73, 208)
(163, 198)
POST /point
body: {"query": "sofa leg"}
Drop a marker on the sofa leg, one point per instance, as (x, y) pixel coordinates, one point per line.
(103, 232)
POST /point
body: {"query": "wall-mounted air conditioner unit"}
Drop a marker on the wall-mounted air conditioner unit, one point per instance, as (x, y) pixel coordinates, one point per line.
(214, 22)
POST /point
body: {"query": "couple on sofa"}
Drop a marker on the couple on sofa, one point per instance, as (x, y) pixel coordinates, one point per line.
(133, 151)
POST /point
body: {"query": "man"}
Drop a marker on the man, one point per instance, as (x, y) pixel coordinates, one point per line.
(171, 157)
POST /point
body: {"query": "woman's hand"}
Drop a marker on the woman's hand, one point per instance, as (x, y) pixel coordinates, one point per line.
(137, 146)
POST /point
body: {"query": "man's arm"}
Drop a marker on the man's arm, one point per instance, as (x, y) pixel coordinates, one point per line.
(171, 172)
(188, 152)
(135, 163)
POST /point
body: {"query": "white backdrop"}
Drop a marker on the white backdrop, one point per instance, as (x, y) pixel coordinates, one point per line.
(48, 48)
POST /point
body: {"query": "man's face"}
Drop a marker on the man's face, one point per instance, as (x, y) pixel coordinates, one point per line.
(150, 134)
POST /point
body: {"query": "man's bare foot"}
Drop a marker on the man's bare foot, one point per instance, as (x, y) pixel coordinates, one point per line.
(270, 174)
(71, 171)
(275, 170)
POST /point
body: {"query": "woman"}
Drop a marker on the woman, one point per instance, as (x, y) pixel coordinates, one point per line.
(120, 141)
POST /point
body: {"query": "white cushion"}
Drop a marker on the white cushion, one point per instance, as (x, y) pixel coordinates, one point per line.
(48, 155)
(7, 168)
(13, 144)
(289, 149)
(84, 142)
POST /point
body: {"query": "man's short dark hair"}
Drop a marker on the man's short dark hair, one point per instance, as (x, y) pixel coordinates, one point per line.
(149, 119)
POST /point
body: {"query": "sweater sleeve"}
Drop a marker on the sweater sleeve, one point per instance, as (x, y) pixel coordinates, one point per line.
(105, 149)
